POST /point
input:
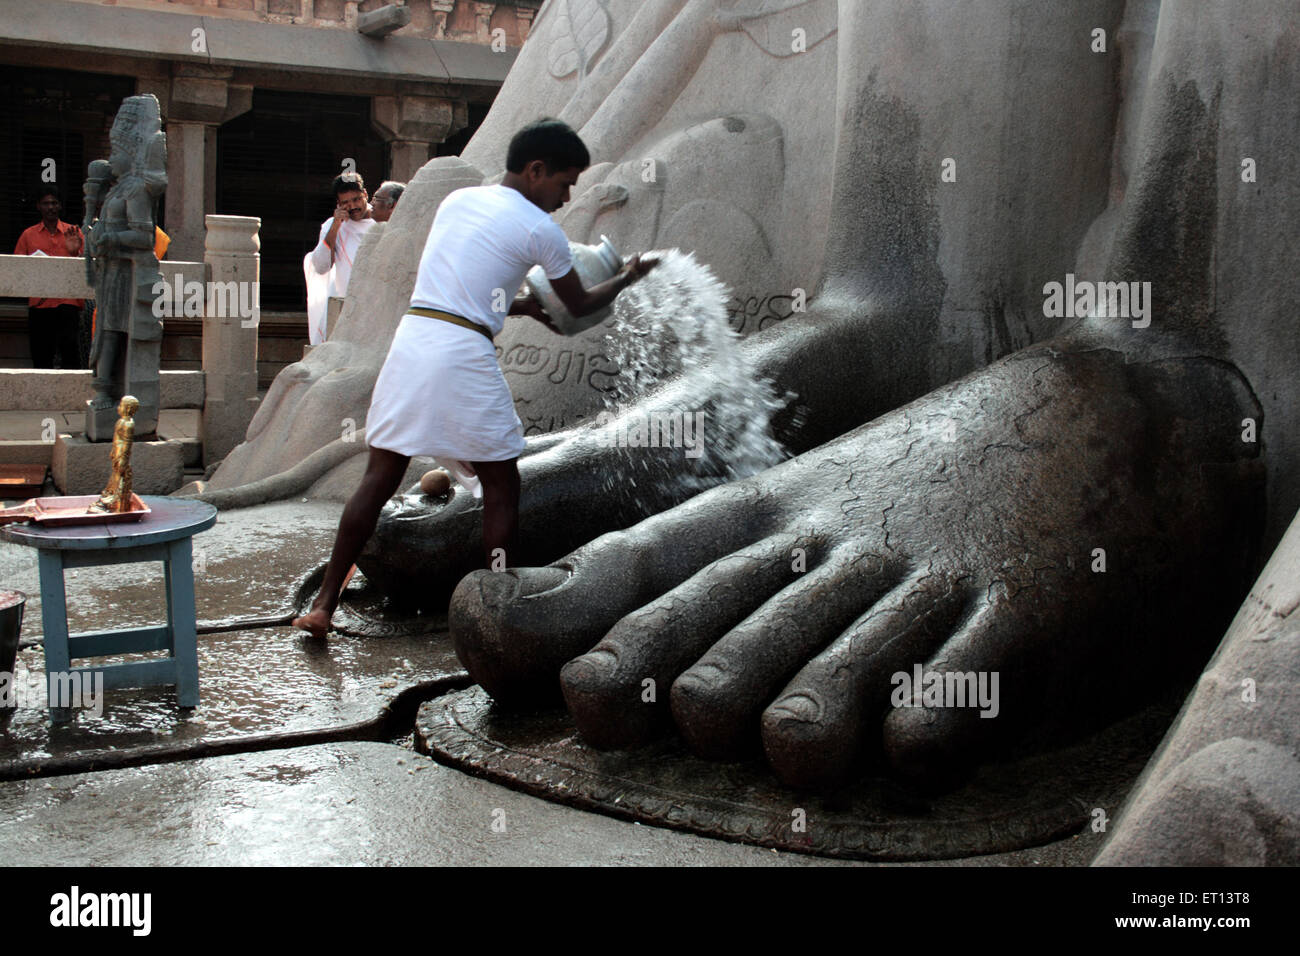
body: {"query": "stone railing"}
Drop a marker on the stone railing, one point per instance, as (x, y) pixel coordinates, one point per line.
(227, 280)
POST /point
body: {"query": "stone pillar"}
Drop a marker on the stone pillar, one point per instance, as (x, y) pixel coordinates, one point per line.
(405, 159)
(187, 198)
(441, 10)
(201, 99)
(525, 16)
(230, 332)
(411, 125)
(483, 21)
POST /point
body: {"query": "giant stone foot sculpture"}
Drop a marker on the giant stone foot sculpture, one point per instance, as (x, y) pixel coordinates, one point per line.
(937, 164)
(1028, 522)
(577, 484)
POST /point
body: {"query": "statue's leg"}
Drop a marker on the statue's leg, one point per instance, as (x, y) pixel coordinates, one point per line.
(1032, 526)
(124, 489)
(109, 369)
(842, 363)
(110, 489)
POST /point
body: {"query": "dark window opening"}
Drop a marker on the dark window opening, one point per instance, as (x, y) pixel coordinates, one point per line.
(277, 162)
(61, 116)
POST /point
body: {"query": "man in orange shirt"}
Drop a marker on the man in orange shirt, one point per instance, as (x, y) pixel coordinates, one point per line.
(52, 323)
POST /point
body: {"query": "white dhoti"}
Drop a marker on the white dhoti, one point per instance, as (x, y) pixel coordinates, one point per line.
(441, 394)
(318, 297)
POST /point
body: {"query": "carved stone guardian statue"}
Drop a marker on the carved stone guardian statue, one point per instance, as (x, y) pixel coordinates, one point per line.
(120, 258)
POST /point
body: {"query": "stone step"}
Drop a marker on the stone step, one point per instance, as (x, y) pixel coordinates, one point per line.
(40, 424)
(183, 425)
(29, 451)
(81, 467)
(24, 441)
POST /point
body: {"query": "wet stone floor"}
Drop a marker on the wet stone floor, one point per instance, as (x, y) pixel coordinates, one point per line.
(299, 752)
(256, 683)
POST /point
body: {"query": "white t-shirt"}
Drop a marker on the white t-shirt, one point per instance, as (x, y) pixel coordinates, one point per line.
(483, 242)
(346, 243)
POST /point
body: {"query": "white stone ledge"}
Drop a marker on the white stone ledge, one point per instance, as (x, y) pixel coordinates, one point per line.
(63, 277)
(27, 388)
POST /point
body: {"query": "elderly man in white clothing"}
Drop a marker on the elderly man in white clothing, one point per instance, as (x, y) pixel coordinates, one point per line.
(441, 392)
(384, 202)
(329, 266)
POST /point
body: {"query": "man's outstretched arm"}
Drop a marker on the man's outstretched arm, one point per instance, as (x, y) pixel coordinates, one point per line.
(580, 301)
(528, 305)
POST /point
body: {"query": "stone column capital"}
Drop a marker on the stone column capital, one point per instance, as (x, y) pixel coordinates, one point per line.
(420, 119)
(206, 94)
(232, 236)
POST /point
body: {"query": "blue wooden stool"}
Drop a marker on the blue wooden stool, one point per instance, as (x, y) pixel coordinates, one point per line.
(163, 535)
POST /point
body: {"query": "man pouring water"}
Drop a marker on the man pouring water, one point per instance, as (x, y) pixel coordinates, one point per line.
(441, 392)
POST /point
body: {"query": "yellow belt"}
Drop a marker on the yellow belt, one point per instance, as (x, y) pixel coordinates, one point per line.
(449, 317)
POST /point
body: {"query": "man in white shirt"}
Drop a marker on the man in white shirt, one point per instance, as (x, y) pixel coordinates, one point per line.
(328, 267)
(441, 392)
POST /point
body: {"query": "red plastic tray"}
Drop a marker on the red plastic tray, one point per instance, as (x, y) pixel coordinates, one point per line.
(70, 511)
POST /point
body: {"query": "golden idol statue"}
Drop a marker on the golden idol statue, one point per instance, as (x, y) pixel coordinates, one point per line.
(117, 493)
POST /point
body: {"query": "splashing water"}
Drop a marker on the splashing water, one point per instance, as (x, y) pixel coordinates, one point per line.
(675, 320)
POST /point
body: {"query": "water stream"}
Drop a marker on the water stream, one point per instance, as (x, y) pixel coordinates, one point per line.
(674, 322)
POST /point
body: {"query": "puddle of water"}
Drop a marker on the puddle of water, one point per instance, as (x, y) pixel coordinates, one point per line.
(251, 565)
(251, 682)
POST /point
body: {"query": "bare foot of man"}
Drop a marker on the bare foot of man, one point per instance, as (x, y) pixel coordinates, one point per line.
(315, 622)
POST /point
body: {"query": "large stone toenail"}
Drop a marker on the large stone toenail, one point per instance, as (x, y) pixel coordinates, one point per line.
(804, 748)
(536, 581)
(803, 707)
(703, 677)
(594, 667)
(609, 713)
(498, 588)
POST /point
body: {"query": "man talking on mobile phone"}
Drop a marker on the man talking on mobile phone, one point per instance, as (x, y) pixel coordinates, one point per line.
(329, 266)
